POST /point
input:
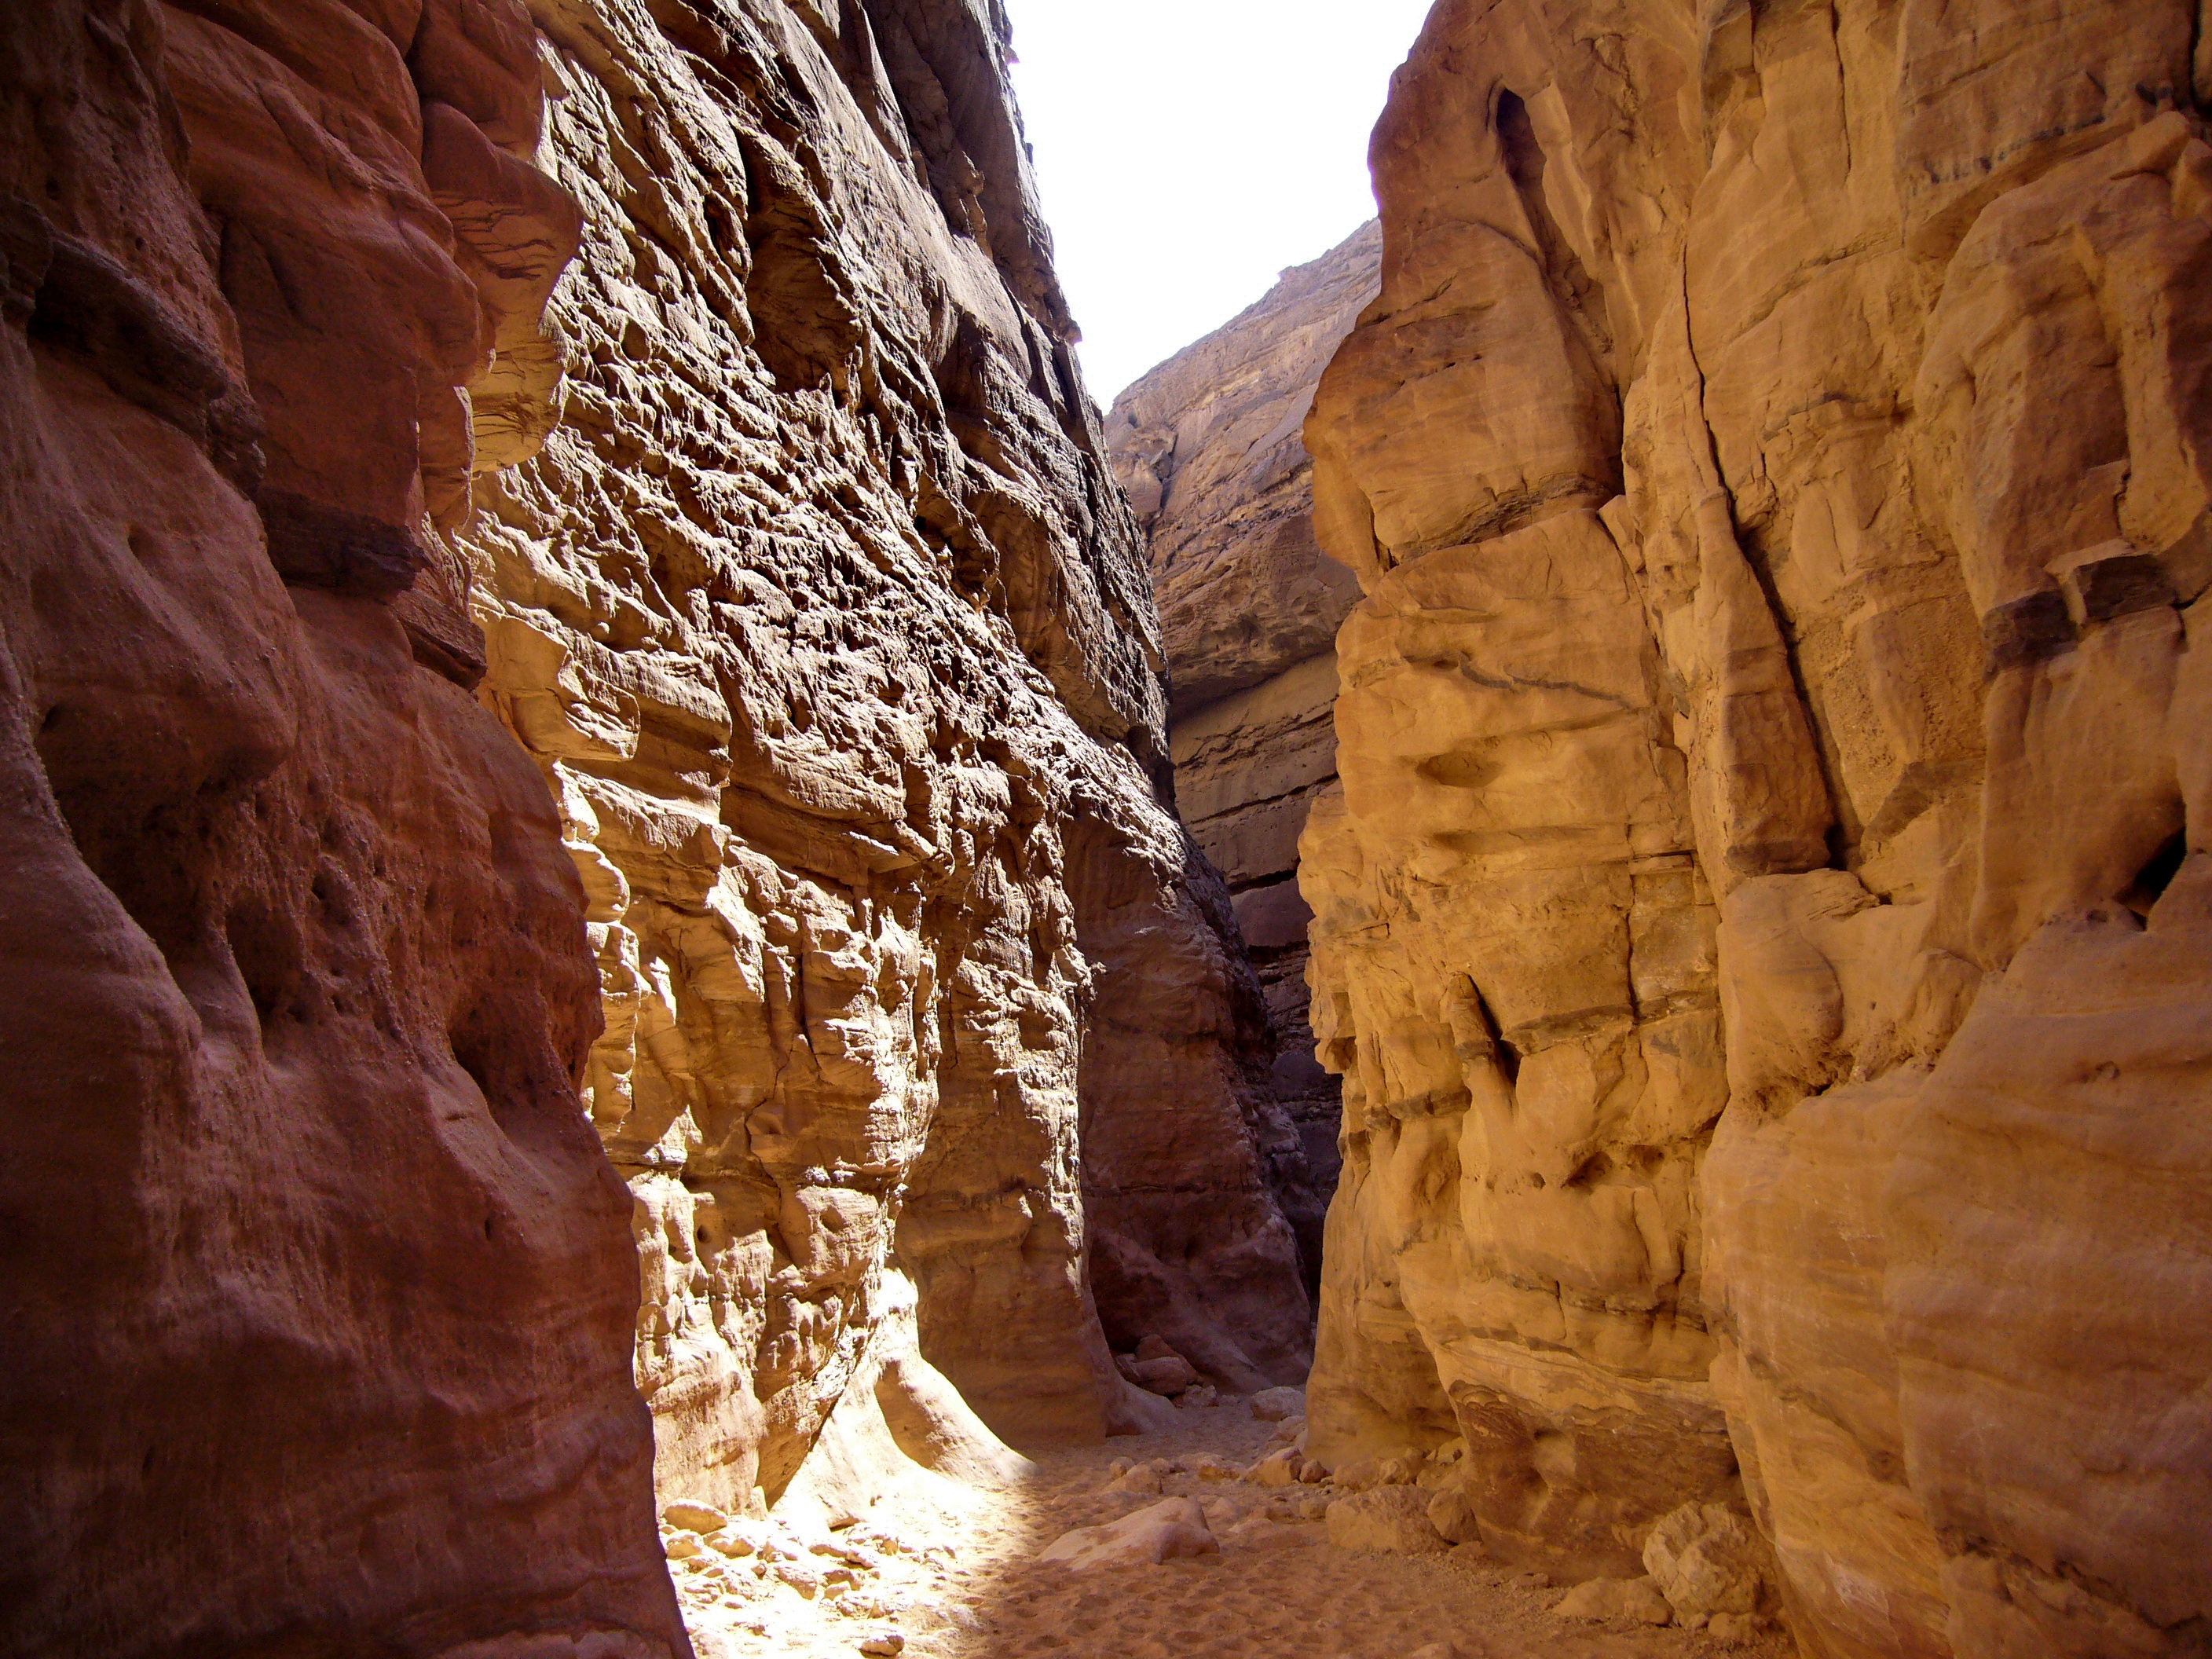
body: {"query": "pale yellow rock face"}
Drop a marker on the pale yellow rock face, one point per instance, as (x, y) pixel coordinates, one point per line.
(822, 615)
(1208, 447)
(1763, 928)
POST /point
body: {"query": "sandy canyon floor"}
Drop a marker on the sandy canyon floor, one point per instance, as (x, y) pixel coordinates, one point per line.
(927, 1579)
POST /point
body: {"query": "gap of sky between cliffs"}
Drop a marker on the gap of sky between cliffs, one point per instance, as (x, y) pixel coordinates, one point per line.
(1188, 150)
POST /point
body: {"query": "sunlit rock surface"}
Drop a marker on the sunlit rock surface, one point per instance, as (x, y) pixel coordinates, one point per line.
(316, 1289)
(1207, 446)
(927, 1054)
(823, 617)
(1763, 929)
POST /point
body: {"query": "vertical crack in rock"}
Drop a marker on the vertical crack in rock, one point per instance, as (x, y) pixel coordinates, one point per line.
(1816, 816)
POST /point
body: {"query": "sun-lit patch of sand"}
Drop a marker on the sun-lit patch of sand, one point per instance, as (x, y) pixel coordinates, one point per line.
(964, 1584)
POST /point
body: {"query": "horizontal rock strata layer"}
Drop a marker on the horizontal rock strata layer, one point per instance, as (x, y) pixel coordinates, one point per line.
(1208, 447)
(1763, 928)
(317, 1290)
(821, 613)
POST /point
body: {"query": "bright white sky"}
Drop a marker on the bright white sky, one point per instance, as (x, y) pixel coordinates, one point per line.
(1188, 150)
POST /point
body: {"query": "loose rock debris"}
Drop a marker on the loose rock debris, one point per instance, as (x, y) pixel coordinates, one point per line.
(1176, 1545)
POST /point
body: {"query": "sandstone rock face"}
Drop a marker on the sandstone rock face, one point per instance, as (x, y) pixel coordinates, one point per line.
(1210, 450)
(1705, 1558)
(1763, 928)
(318, 1288)
(823, 619)
(1208, 447)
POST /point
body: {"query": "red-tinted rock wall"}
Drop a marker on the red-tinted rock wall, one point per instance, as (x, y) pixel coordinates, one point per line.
(316, 1292)
(452, 552)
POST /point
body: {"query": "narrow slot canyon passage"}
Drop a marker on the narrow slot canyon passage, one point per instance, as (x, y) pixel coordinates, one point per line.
(1509, 959)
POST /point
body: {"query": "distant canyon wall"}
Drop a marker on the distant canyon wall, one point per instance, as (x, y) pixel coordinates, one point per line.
(821, 613)
(316, 1292)
(1764, 927)
(1208, 446)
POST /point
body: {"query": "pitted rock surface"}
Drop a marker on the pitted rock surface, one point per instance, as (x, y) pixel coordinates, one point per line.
(838, 684)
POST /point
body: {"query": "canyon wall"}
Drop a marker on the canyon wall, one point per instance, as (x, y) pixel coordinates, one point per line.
(821, 613)
(1208, 447)
(387, 636)
(318, 1289)
(1764, 927)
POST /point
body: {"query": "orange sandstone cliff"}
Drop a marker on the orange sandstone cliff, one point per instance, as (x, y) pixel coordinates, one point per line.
(1207, 446)
(1764, 929)
(927, 1044)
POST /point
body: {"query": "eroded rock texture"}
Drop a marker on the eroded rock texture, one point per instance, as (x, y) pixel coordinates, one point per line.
(823, 615)
(317, 1288)
(1208, 447)
(1763, 927)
